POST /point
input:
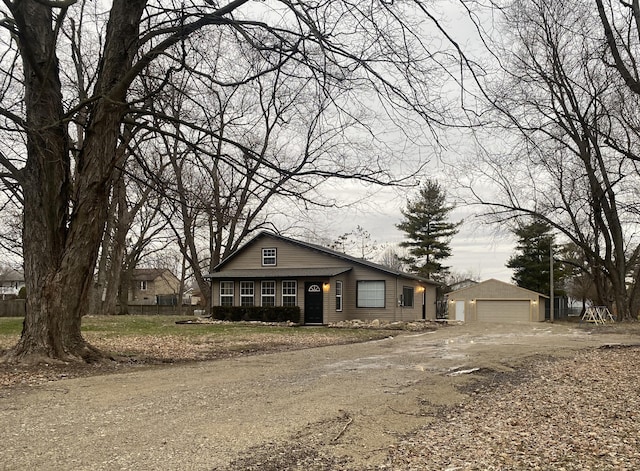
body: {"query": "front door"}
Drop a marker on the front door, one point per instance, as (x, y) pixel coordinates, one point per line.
(459, 310)
(313, 302)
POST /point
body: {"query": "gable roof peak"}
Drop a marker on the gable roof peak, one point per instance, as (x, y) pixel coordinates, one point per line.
(142, 274)
(326, 251)
(494, 280)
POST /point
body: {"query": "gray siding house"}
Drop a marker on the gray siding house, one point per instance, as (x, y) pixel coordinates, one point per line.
(328, 286)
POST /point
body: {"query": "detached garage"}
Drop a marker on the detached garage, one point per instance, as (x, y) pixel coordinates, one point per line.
(496, 301)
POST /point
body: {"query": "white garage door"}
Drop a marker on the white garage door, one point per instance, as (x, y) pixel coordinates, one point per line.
(503, 311)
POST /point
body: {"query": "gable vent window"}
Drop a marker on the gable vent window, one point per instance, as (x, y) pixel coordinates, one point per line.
(268, 257)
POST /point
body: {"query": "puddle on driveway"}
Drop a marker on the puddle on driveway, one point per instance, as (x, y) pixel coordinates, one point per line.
(364, 363)
(429, 351)
(420, 356)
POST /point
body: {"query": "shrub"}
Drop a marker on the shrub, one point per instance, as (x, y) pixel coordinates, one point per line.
(256, 313)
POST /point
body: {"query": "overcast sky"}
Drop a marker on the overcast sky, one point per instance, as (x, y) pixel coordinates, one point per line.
(479, 248)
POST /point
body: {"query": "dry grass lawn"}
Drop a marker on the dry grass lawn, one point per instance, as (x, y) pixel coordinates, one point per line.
(146, 341)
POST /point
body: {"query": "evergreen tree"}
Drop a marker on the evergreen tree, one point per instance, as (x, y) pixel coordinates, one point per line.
(531, 262)
(428, 231)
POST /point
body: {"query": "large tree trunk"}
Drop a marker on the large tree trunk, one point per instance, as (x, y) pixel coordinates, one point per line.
(63, 228)
(46, 182)
(110, 303)
(123, 292)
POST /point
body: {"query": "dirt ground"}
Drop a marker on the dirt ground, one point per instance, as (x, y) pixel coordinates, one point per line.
(327, 408)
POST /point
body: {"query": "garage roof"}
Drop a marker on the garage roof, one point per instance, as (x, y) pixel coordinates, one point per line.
(480, 287)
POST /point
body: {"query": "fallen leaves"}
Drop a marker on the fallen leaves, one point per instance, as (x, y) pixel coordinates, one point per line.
(582, 413)
(134, 351)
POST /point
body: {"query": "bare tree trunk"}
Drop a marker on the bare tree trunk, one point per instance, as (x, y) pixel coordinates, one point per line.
(110, 302)
(183, 274)
(48, 329)
(61, 249)
(99, 290)
(634, 296)
(120, 225)
(123, 292)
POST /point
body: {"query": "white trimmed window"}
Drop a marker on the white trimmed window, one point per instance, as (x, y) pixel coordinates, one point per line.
(269, 257)
(226, 293)
(407, 296)
(338, 295)
(143, 285)
(246, 293)
(289, 291)
(268, 293)
(370, 293)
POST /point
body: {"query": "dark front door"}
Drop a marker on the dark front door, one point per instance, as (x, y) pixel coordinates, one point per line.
(313, 302)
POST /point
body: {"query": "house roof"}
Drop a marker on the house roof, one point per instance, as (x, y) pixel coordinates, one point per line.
(11, 275)
(316, 271)
(279, 273)
(493, 280)
(148, 274)
(463, 284)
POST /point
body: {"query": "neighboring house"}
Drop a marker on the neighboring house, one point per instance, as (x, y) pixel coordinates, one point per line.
(496, 301)
(192, 297)
(153, 286)
(328, 286)
(462, 284)
(11, 281)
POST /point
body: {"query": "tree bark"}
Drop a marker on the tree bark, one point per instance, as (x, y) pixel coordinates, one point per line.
(121, 226)
(63, 229)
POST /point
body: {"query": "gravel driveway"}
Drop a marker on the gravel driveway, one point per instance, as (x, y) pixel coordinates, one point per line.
(337, 407)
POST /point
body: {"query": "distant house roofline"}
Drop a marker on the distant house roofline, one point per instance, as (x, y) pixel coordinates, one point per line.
(148, 274)
(12, 275)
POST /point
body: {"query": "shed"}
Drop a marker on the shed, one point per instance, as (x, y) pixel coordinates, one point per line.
(496, 301)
